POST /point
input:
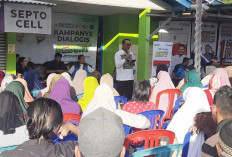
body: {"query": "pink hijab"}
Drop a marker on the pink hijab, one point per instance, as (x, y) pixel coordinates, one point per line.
(164, 83)
(223, 73)
(77, 83)
(27, 94)
(216, 82)
(43, 91)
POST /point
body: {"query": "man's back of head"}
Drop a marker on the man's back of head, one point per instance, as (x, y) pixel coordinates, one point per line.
(222, 108)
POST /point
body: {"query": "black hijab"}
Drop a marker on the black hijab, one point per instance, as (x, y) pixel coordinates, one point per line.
(11, 113)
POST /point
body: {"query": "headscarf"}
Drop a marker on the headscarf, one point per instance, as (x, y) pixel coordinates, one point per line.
(215, 84)
(164, 83)
(223, 73)
(61, 93)
(108, 79)
(43, 91)
(11, 114)
(67, 76)
(195, 102)
(32, 79)
(90, 85)
(2, 74)
(7, 79)
(77, 83)
(54, 79)
(104, 97)
(193, 81)
(229, 71)
(18, 89)
(27, 95)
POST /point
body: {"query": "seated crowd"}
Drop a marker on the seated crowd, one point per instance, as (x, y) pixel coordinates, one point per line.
(32, 111)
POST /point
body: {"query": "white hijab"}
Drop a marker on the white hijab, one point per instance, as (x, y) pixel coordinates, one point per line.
(104, 97)
(7, 79)
(195, 102)
(67, 76)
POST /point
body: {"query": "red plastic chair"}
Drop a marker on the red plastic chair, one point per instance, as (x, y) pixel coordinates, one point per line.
(171, 94)
(71, 116)
(151, 138)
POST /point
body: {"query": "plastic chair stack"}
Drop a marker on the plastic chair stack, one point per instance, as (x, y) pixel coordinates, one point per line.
(151, 139)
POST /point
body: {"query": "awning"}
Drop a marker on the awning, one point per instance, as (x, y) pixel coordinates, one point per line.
(29, 2)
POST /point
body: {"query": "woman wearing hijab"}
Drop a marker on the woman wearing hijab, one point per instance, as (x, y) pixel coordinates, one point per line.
(12, 127)
(104, 97)
(44, 118)
(77, 86)
(18, 89)
(54, 79)
(43, 91)
(7, 79)
(195, 102)
(164, 83)
(27, 96)
(229, 71)
(61, 93)
(108, 79)
(90, 85)
(223, 73)
(67, 77)
(2, 75)
(193, 80)
(32, 79)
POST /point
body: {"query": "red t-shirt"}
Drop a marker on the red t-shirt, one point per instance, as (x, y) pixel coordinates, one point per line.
(137, 107)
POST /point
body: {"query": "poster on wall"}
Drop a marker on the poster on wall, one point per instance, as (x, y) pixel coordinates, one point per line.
(72, 35)
(178, 32)
(27, 18)
(208, 37)
(225, 41)
(162, 53)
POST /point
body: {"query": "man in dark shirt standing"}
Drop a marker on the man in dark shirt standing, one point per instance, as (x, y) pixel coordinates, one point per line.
(222, 113)
(56, 65)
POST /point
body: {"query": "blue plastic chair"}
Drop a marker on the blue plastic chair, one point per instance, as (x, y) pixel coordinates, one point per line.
(120, 98)
(2, 149)
(186, 144)
(69, 137)
(152, 115)
(162, 151)
(127, 129)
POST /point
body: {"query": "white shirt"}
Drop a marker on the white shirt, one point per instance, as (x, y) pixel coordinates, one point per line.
(20, 136)
(124, 71)
(71, 70)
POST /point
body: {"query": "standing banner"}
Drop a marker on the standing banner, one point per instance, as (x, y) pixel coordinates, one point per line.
(72, 35)
(225, 41)
(27, 18)
(178, 32)
(208, 37)
(162, 53)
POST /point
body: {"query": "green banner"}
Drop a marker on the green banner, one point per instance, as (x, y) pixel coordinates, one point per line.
(227, 1)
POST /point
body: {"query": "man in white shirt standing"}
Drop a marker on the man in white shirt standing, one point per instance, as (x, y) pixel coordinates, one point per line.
(124, 62)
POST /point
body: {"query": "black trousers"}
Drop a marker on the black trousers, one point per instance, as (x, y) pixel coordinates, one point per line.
(125, 88)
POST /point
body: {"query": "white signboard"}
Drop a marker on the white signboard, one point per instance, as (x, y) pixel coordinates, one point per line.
(208, 37)
(178, 32)
(72, 35)
(27, 18)
(162, 53)
(225, 41)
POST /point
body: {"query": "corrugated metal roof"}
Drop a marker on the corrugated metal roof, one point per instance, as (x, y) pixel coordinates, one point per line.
(29, 2)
